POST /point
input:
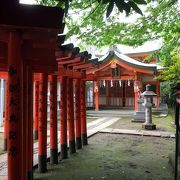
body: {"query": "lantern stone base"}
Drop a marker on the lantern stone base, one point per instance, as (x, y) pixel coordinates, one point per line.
(149, 126)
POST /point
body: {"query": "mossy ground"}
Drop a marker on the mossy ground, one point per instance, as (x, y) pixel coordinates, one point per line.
(116, 157)
(162, 123)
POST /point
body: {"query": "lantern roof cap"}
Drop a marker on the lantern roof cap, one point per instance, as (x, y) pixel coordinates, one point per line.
(148, 92)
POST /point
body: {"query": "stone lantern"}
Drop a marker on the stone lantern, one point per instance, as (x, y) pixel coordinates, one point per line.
(148, 96)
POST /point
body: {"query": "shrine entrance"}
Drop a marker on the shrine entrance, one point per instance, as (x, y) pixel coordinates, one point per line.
(113, 94)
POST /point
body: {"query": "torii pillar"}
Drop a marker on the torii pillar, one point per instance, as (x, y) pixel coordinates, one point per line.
(70, 112)
(83, 112)
(63, 115)
(30, 142)
(15, 123)
(78, 114)
(53, 120)
(42, 136)
(36, 103)
(6, 118)
(97, 96)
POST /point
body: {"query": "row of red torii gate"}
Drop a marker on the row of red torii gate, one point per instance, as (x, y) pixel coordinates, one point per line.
(31, 52)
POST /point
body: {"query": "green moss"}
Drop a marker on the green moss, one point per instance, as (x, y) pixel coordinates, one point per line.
(116, 157)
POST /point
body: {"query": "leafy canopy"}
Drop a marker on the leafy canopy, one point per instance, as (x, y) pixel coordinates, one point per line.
(98, 22)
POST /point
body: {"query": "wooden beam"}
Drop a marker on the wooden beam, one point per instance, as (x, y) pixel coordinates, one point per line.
(71, 61)
(83, 66)
(44, 69)
(63, 59)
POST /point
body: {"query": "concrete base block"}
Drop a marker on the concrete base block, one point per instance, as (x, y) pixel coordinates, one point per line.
(139, 116)
(149, 126)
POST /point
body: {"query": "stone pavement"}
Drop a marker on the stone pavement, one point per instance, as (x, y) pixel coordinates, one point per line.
(110, 113)
(154, 133)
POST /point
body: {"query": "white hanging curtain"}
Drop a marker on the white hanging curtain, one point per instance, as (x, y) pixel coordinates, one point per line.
(129, 82)
(111, 83)
(120, 83)
(104, 83)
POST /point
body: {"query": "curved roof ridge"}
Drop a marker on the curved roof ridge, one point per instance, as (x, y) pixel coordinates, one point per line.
(133, 61)
(142, 52)
(108, 55)
(128, 60)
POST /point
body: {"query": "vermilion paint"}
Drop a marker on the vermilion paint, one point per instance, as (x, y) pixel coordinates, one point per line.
(42, 136)
(70, 112)
(30, 124)
(36, 103)
(83, 112)
(63, 119)
(15, 123)
(78, 114)
(6, 115)
(53, 119)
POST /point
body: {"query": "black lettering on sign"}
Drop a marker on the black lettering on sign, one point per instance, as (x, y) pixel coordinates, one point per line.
(12, 135)
(11, 71)
(13, 102)
(12, 151)
(13, 88)
(12, 118)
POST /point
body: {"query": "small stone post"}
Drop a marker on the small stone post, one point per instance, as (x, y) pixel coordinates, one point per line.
(148, 108)
(139, 115)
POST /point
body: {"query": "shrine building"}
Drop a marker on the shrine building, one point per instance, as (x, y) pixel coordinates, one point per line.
(119, 79)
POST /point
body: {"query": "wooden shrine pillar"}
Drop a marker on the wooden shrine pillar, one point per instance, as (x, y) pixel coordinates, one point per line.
(63, 127)
(36, 104)
(107, 93)
(97, 96)
(25, 122)
(158, 93)
(15, 123)
(93, 93)
(70, 112)
(53, 120)
(137, 92)
(78, 114)
(83, 112)
(6, 115)
(30, 141)
(42, 131)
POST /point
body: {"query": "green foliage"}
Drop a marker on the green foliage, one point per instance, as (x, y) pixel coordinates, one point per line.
(97, 22)
(122, 5)
(172, 73)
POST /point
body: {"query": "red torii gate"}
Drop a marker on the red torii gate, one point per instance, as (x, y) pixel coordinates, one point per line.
(29, 48)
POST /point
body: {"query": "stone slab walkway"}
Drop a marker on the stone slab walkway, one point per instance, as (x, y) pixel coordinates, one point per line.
(139, 132)
(110, 113)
